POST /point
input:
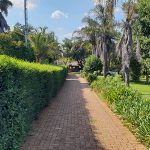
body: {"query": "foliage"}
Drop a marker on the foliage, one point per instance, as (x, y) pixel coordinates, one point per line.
(25, 88)
(88, 33)
(90, 77)
(135, 67)
(100, 31)
(146, 68)
(4, 5)
(12, 45)
(128, 103)
(66, 47)
(144, 18)
(92, 63)
(76, 50)
(64, 61)
(145, 47)
(44, 44)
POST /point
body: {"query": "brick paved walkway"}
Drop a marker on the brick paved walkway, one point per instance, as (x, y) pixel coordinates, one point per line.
(77, 120)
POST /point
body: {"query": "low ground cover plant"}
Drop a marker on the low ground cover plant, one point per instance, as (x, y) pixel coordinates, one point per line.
(25, 88)
(128, 103)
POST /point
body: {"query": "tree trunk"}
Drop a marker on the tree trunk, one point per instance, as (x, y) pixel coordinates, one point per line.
(105, 60)
(126, 76)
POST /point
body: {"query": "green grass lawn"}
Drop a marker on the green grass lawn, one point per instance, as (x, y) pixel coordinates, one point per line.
(142, 87)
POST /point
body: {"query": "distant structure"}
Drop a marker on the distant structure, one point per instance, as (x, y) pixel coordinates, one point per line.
(26, 23)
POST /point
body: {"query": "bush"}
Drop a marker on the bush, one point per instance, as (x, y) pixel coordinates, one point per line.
(25, 88)
(91, 77)
(92, 63)
(128, 103)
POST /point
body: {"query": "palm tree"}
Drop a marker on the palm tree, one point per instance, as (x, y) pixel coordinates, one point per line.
(90, 32)
(4, 5)
(26, 23)
(104, 33)
(125, 45)
(43, 44)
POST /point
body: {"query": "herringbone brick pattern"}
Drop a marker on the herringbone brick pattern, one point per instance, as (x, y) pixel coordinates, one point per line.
(77, 120)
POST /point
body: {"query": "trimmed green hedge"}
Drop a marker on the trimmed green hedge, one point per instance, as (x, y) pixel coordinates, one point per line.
(128, 103)
(25, 88)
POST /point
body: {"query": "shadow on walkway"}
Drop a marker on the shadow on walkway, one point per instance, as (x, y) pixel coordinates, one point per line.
(75, 120)
(65, 124)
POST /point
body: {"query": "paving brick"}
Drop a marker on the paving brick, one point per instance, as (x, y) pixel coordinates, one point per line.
(77, 120)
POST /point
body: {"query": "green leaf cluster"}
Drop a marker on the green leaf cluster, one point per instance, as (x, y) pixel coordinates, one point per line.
(128, 103)
(92, 63)
(25, 88)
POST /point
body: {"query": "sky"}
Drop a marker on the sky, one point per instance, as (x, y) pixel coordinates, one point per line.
(61, 16)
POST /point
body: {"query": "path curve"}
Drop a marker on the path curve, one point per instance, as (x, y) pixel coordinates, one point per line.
(78, 120)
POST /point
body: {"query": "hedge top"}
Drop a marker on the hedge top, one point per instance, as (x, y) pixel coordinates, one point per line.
(5, 60)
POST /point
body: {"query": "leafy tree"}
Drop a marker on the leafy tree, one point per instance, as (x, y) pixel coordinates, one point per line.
(104, 17)
(4, 5)
(76, 50)
(12, 44)
(78, 53)
(146, 68)
(142, 27)
(89, 32)
(44, 44)
(92, 64)
(99, 30)
(143, 7)
(66, 47)
(15, 48)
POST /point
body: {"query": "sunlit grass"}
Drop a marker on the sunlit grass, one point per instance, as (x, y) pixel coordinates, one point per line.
(142, 87)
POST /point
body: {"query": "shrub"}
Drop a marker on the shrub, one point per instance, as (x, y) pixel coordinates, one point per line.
(92, 63)
(25, 88)
(91, 77)
(128, 103)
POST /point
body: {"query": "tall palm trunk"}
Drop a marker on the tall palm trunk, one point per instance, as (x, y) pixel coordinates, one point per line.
(126, 76)
(26, 23)
(124, 50)
(105, 59)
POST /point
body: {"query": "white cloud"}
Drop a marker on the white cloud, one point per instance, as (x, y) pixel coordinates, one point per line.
(20, 4)
(57, 14)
